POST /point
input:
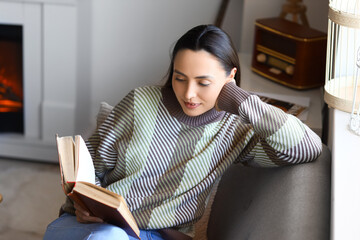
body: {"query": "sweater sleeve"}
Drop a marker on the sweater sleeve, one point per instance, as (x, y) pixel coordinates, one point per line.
(108, 144)
(277, 138)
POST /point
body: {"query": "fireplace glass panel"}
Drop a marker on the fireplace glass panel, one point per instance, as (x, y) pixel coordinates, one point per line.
(11, 79)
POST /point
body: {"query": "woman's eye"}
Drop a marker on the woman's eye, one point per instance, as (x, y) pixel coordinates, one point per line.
(204, 84)
(179, 79)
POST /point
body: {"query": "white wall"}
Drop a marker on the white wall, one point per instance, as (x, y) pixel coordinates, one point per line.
(316, 14)
(84, 67)
(125, 44)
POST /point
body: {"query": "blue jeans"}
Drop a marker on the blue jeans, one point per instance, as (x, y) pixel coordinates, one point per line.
(67, 227)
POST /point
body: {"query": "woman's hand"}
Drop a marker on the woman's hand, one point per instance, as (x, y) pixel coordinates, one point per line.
(84, 216)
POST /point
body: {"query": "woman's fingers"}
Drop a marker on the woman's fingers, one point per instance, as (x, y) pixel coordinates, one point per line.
(84, 216)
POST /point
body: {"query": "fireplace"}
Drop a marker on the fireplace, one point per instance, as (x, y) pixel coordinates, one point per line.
(11, 79)
(38, 80)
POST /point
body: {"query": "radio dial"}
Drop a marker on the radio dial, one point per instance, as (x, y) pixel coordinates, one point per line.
(289, 70)
(261, 57)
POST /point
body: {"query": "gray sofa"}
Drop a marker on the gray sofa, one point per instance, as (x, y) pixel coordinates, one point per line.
(291, 202)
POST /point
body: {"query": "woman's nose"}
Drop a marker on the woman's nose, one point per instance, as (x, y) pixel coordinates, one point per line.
(190, 91)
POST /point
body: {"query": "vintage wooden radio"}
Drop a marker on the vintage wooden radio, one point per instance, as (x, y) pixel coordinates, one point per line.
(289, 53)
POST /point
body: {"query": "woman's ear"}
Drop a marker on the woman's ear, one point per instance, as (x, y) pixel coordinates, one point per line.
(232, 74)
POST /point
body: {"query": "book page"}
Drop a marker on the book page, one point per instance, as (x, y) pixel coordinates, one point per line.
(84, 165)
(65, 147)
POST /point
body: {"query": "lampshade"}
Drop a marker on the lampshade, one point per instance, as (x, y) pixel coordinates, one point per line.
(343, 58)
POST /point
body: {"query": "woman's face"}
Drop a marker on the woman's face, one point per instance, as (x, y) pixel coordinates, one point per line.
(197, 80)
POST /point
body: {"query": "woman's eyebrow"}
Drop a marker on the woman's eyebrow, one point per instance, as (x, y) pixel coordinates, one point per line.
(198, 77)
(205, 77)
(180, 73)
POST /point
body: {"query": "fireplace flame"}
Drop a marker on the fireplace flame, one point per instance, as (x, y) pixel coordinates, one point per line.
(11, 79)
(10, 101)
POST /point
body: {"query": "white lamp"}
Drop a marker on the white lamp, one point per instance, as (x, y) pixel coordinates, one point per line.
(342, 81)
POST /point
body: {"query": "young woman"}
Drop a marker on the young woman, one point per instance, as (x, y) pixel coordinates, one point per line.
(162, 148)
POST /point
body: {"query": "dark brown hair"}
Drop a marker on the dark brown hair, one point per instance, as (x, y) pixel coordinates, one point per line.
(211, 39)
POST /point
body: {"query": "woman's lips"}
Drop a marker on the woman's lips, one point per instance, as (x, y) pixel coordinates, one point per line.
(191, 105)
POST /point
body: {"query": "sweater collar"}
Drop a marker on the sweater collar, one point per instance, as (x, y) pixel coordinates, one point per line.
(175, 110)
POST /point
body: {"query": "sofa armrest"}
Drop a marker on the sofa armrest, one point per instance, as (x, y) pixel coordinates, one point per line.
(291, 202)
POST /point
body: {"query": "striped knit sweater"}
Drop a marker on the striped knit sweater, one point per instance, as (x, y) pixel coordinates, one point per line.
(165, 163)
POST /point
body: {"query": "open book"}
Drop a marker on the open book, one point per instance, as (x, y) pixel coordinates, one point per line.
(78, 182)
